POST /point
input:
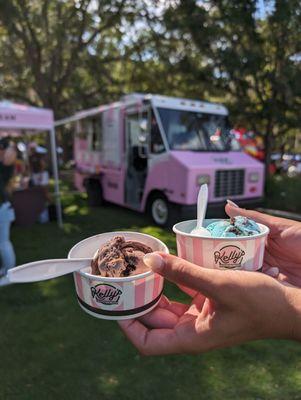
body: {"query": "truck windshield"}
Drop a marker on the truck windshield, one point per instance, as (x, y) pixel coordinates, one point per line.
(196, 131)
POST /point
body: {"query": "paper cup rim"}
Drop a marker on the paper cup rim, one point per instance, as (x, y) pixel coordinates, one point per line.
(117, 279)
(264, 232)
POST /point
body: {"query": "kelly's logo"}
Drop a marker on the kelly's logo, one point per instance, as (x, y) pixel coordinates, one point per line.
(229, 257)
(106, 294)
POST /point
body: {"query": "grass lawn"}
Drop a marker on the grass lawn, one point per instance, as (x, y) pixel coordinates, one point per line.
(51, 349)
(283, 193)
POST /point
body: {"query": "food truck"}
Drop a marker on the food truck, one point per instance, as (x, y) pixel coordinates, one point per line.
(151, 153)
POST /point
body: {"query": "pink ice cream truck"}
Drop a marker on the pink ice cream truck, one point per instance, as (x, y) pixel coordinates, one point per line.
(151, 153)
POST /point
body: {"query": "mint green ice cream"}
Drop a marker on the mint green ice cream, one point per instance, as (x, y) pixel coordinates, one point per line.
(233, 227)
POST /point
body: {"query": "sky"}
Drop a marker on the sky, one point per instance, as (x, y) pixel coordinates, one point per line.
(264, 8)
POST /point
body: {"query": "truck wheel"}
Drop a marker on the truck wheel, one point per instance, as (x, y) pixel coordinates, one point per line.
(94, 192)
(162, 212)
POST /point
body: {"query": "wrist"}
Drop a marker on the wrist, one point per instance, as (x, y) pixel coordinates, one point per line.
(294, 323)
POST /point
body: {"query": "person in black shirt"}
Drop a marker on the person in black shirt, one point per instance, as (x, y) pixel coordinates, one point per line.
(7, 160)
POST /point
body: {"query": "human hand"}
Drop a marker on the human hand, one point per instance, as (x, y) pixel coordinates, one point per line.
(282, 257)
(228, 308)
(9, 156)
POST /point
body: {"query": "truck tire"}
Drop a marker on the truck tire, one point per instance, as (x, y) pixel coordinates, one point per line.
(162, 212)
(94, 192)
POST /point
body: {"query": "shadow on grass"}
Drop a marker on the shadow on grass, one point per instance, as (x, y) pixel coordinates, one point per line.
(51, 349)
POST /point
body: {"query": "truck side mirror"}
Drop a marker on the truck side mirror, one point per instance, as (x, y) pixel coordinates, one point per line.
(143, 131)
(143, 125)
(142, 138)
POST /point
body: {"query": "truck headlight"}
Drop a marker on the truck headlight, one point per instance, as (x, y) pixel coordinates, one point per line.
(253, 177)
(202, 179)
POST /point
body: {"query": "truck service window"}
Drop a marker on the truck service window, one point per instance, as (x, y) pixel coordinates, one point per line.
(81, 132)
(195, 131)
(96, 131)
(90, 129)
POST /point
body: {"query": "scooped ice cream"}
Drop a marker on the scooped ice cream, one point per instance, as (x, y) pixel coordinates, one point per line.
(119, 257)
(235, 226)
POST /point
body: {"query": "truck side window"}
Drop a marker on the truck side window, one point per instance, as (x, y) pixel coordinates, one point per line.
(96, 130)
(157, 145)
(80, 130)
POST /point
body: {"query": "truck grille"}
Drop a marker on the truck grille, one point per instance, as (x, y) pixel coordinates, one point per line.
(229, 182)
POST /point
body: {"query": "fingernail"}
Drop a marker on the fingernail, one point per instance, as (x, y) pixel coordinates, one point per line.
(231, 203)
(273, 271)
(154, 261)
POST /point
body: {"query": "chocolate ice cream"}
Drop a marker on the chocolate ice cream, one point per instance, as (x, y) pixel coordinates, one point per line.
(119, 257)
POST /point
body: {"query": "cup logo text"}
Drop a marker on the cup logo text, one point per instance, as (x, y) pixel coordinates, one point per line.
(229, 257)
(106, 294)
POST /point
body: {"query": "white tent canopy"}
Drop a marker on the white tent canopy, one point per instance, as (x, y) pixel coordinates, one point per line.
(14, 117)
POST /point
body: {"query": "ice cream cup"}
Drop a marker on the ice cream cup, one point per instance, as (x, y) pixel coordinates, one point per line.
(117, 298)
(244, 252)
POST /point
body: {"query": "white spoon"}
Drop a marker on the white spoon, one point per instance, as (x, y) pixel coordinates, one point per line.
(201, 211)
(46, 269)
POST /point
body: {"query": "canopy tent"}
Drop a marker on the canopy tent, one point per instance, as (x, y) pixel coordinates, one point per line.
(18, 117)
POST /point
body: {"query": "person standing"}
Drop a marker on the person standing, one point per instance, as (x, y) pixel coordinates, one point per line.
(7, 160)
(40, 177)
(37, 165)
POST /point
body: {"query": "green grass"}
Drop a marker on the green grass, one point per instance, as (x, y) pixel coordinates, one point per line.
(51, 349)
(284, 193)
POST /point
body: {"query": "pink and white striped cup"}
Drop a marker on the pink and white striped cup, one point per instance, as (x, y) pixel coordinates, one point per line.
(116, 298)
(244, 252)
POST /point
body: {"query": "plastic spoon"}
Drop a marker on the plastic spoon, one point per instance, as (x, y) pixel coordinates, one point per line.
(46, 269)
(201, 211)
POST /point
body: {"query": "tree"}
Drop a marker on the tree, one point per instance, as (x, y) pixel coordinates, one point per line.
(251, 64)
(52, 49)
(72, 54)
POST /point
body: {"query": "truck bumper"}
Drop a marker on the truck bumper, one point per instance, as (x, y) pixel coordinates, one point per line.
(217, 210)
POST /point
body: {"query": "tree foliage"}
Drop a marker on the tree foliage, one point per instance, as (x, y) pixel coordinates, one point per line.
(54, 51)
(252, 64)
(70, 54)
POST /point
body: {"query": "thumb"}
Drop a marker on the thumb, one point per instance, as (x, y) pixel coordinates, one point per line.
(275, 224)
(211, 283)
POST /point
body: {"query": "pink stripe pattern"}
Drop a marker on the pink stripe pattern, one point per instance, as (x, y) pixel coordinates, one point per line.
(158, 285)
(222, 253)
(79, 285)
(115, 295)
(139, 291)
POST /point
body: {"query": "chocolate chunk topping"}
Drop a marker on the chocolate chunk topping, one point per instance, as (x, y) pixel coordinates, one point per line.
(235, 230)
(232, 220)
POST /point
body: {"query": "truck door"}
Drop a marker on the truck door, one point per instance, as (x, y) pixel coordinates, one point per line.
(137, 145)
